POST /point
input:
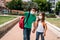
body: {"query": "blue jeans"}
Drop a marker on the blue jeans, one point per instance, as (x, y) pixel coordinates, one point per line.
(38, 34)
(26, 33)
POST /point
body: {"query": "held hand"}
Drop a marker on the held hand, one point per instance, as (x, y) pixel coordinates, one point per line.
(33, 31)
(44, 34)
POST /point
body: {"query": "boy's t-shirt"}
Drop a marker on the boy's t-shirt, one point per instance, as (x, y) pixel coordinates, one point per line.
(31, 19)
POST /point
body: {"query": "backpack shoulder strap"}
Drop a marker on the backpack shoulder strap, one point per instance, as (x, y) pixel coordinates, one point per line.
(27, 18)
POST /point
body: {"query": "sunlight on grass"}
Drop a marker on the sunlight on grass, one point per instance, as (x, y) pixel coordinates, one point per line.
(4, 19)
(54, 21)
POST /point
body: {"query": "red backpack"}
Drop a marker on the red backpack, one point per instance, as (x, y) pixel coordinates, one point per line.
(21, 21)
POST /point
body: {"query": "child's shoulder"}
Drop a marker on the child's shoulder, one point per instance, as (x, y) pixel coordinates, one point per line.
(45, 22)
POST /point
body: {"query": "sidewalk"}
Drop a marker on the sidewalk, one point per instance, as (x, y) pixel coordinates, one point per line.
(16, 34)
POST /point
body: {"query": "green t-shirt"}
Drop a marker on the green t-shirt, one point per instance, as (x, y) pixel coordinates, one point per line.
(31, 19)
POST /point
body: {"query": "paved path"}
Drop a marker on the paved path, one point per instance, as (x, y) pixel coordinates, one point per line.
(16, 34)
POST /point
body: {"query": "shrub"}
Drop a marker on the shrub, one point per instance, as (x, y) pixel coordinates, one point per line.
(50, 15)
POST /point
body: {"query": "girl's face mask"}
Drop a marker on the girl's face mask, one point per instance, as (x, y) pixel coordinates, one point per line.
(40, 17)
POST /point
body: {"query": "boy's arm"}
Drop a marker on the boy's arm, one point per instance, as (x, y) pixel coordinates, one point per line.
(20, 12)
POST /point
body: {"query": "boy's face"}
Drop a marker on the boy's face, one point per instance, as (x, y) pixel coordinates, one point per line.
(33, 11)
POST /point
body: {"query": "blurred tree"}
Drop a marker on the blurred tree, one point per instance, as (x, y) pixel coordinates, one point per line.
(43, 5)
(27, 5)
(48, 6)
(39, 0)
(14, 4)
(57, 9)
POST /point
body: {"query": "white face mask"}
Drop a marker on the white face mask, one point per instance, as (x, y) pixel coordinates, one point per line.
(40, 17)
(32, 12)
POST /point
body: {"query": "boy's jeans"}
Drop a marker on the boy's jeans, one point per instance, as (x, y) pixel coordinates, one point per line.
(38, 34)
(26, 33)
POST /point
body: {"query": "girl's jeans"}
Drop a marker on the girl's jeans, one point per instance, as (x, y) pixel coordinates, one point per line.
(26, 33)
(38, 34)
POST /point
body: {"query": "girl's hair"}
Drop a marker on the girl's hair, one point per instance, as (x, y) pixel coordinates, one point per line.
(43, 17)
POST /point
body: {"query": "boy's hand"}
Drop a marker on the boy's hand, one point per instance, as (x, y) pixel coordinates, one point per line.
(33, 31)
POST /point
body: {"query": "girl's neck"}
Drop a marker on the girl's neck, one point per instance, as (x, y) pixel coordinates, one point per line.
(41, 20)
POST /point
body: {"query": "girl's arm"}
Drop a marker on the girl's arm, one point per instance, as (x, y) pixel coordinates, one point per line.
(35, 26)
(45, 29)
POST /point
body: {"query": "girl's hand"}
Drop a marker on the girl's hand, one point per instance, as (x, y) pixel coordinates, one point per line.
(33, 31)
(44, 34)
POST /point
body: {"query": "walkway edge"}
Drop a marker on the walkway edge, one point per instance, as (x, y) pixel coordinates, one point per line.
(7, 26)
(53, 28)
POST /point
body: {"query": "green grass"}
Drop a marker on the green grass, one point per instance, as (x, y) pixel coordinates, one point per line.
(4, 19)
(54, 21)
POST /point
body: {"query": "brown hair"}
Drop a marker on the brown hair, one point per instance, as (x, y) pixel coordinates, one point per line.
(35, 9)
(43, 17)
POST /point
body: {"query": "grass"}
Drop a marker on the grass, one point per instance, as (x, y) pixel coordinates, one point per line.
(54, 21)
(4, 19)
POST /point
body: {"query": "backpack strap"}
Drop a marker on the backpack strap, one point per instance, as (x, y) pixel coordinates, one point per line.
(27, 18)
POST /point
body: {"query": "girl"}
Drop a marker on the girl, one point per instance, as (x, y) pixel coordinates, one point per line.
(41, 26)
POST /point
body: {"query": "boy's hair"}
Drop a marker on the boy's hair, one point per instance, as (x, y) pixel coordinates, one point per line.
(35, 9)
(29, 9)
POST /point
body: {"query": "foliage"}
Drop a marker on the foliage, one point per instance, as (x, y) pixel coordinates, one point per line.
(50, 16)
(14, 4)
(57, 10)
(28, 5)
(43, 5)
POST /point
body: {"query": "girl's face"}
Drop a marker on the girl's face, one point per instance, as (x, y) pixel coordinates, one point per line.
(40, 16)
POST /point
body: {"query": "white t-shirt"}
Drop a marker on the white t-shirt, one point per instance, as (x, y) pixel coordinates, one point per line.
(40, 27)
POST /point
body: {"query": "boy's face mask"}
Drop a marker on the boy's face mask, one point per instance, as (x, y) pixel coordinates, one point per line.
(32, 12)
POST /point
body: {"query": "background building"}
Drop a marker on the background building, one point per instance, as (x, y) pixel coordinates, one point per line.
(2, 3)
(3, 8)
(53, 2)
